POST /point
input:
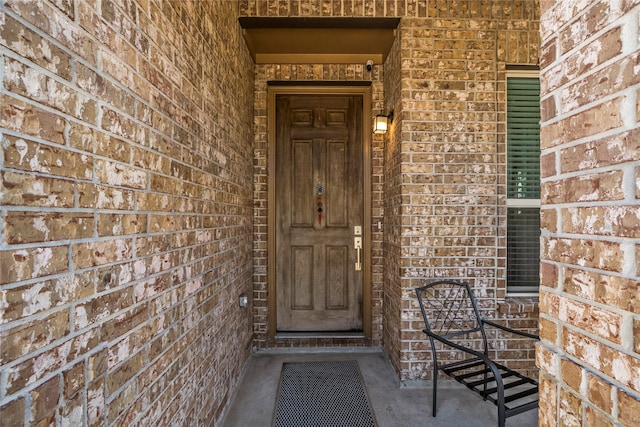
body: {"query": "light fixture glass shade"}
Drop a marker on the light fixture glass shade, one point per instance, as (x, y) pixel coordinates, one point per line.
(380, 124)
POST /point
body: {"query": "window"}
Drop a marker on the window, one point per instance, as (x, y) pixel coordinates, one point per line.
(523, 183)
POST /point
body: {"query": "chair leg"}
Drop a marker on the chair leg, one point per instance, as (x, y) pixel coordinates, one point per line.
(484, 396)
(501, 414)
(435, 389)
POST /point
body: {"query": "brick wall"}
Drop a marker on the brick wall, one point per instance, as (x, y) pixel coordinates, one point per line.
(126, 219)
(438, 179)
(392, 180)
(128, 196)
(450, 175)
(589, 307)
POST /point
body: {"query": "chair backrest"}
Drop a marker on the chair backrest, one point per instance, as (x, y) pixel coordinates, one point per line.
(450, 310)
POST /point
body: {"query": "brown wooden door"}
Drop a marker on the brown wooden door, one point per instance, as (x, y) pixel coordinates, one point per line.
(319, 201)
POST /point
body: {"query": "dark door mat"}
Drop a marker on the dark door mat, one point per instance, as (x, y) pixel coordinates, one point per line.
(322, 394)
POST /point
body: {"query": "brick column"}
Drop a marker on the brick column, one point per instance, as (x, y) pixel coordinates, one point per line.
(590, 297)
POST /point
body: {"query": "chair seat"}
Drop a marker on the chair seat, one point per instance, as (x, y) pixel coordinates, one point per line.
(454, 315)
(475, 375)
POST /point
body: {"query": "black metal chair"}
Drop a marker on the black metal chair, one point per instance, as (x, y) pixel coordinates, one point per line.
(451, 317)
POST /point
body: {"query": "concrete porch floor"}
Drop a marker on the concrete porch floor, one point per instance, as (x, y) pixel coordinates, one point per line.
(394, 405)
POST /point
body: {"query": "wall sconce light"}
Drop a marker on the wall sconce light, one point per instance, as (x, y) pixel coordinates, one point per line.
(381, 123)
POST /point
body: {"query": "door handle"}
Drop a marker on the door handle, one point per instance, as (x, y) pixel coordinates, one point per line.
(357, 244)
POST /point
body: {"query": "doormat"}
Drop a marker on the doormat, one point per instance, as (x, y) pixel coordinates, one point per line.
(322, 394)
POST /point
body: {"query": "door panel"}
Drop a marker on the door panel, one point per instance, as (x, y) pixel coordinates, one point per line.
(336, 175)
(337, 276)
(319, 200)
(302, 276)
(302, 201)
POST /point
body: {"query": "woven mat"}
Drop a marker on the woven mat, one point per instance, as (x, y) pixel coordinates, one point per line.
(322, 394)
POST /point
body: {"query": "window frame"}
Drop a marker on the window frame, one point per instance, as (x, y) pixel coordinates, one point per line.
(512, 291)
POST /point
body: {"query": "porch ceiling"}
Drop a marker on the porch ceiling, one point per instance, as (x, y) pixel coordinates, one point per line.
(317, 40)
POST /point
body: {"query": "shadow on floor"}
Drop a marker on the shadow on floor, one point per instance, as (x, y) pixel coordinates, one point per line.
(394, 405)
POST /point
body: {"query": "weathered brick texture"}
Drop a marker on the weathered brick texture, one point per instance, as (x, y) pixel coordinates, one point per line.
(589, 306)
(126, 211)
(445, 200)
(435, 177)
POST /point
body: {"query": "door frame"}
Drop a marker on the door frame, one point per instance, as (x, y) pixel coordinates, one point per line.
(347, 89)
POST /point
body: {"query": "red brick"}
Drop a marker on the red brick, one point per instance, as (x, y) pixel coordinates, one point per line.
(28, 155)
(572, 375)
(549, 220)
(599, 393)
(547, 404)
(31, 227)
(638, 106)
(28, 82)
(45, 399)
(629, 407)
(546, 360)
(121, 401)
(102, 306)
(549, 275)
(613, 150)
(605, 186)
(150, 160)
(123, 373)
(620, 366)
(595, 254)
(28, 337)
(27, 300)
(570, 411)
(549, 303)
(13, 413)
(71, 412)
(612, 291)
(41, 51)
(92, 254)
(96, 403)
(583, 28)
(118, 225)
(594, 320)
(619, 221)
(93, 141)
(102, 197)
(598, 119)
(168, 115)
(607, 46)
(32, 263)
(606, 81)
(35, 191)
(97, 365)
(548, 165)
(548, 330)
(44, 364)
(597, 419)
(164, 184)
(73, 379)
(593, 66)
(546, 5)
(123, 323)
(121, 175)
(548, 56)
(49, 19)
